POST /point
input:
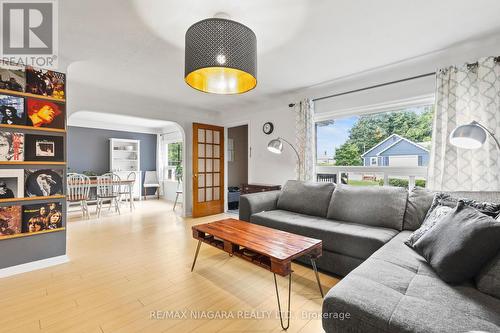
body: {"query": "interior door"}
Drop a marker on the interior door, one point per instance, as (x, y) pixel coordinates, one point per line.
(208, 170)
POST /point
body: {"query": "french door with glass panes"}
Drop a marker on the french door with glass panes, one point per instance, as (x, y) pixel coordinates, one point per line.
(208, 170)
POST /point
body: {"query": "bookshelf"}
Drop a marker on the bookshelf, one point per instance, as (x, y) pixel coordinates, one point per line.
(124, 158)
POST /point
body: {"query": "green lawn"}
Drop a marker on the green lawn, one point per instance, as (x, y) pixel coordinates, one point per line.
(363, 183)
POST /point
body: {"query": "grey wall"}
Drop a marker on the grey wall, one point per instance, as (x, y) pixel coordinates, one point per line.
(238, 169)
(88, 149)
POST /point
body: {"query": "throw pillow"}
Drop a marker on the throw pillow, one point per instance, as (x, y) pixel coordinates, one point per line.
(460, 243)
(437, 211)
(488, 279)
(419, 202)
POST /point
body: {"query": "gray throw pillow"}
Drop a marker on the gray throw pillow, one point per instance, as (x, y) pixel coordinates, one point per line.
(437, 211)
(460, 243)
(488, 279)
(419, 203)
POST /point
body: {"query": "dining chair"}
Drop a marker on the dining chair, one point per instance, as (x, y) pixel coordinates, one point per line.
(108, 188)
(78, 189)
(126, 190)
(178, 193)
(151, 180)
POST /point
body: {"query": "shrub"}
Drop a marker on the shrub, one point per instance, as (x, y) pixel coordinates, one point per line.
(398, 182)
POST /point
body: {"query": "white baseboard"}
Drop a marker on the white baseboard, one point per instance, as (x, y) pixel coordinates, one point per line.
(34, 265)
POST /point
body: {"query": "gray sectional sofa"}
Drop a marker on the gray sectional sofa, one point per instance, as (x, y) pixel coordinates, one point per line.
(387, 287)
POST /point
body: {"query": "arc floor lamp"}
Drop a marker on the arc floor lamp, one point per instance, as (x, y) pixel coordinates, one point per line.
(276, 146)
(471, 136)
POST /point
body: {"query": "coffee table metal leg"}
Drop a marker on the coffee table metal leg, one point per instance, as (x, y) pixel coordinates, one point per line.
(196, 254)
(279, 303)
(313, 263)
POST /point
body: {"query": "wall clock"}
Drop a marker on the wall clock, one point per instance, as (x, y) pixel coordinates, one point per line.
(268, 128)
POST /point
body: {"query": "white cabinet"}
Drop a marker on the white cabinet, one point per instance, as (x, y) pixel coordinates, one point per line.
(124, 159)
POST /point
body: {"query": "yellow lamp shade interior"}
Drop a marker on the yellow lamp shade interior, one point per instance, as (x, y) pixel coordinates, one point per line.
(221, 80)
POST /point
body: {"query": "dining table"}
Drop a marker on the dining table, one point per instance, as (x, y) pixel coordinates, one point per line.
(123, 182)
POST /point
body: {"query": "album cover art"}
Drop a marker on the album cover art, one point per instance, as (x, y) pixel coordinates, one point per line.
(39, 217)
(11, 183)
(12, 110)
(10, 220)
(12, 77)
(44, 113)
(43, 148)
(11, 146)
(44, 182)
(45, 82)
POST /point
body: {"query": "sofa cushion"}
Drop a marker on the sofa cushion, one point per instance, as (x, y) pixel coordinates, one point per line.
(419, 202)
(460, 243)
(442, 204)
(306, 197)
(354, 240)
(395, 290)
(379, 206)
(488, 279)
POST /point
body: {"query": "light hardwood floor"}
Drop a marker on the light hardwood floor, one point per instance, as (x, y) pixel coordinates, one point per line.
(125, 267)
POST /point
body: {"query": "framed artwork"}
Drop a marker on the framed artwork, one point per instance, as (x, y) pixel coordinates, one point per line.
(45, 82)
(11, 183)
(11, 146)
(43, 148)
(12, 77)
(42, 113)
(10, 220)
(12, 110)
(39, 217)
(45, 182)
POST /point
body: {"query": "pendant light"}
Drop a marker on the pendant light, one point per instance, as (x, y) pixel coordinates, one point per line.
(220, 57)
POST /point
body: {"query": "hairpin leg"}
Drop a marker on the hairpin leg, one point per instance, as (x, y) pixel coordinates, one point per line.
(196, 254)
(313, 263)
(279, 303)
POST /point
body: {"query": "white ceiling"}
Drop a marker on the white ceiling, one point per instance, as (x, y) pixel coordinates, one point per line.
(137, 46)
(120, 122)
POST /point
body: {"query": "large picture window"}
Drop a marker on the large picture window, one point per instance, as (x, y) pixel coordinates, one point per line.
(363, 145)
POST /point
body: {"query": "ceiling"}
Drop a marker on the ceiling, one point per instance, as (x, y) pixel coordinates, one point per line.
(120, 122)
(136, 47)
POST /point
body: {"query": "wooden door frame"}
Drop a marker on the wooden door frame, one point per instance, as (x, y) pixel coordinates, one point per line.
(216, 209)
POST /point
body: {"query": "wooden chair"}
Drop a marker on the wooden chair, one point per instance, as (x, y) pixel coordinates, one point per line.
(178, 192)
(79, 191)
(108, 188)
(126, 191)
(151, 180)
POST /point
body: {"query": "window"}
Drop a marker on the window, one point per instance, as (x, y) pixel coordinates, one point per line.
(399, 139)
(174, 158)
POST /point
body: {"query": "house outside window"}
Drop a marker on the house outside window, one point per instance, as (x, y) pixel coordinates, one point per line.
(388, 148)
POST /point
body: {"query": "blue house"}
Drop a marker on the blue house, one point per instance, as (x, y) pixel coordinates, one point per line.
(397, 151)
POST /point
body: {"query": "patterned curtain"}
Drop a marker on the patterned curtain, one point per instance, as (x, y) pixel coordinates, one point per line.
(305, 139)
(471, 92)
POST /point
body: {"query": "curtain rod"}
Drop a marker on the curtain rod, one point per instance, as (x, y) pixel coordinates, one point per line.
(374, 86)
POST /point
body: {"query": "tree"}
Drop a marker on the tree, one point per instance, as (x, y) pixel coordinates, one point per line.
(347, 154)
(369, 130)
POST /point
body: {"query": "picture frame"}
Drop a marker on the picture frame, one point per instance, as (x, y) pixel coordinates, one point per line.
(12, 77)
(43, 182)
(43, 113)
(11, 183)
(43, 148)
(45, 82)
(12, 110)
(10, 221)
(11, 146)
(41, 217)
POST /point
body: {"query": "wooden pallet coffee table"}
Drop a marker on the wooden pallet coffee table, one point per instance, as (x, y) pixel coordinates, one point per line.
(265, 247)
